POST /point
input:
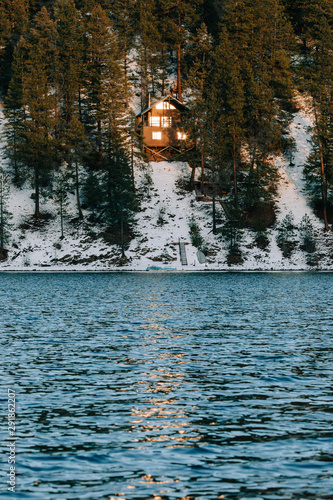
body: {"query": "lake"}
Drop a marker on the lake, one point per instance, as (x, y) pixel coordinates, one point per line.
(168, 386)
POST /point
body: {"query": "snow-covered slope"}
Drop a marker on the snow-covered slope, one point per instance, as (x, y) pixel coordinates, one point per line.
(163, 221)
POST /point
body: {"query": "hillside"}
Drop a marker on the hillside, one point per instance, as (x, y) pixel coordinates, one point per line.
(166, 210)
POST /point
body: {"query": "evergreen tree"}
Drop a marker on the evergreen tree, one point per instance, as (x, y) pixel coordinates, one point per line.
(227, 103)
(5, 26)
(262, 43)
(15, 114)
(317, 66)
(104, 80)
(77, 145)
(61, 197)
(69, 81)
(14, 18)
(118, 198)
(181, 17)
(286, 237)
(133, 146)
(164, 60)
(123, 16)
(92, 194)
(69, 58)
(107, 126)
(147, 48)
(35, 131)
(39, 145)
(198, 120)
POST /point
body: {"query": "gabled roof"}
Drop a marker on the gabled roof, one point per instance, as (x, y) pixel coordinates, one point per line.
(166, 98)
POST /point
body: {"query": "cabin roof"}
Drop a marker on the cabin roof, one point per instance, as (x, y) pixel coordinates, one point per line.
(166, 98)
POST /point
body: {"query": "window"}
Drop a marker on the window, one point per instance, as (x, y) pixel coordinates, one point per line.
(157, 136)
(164, 105)
(154, 121)
(166, 121)
(181, 136)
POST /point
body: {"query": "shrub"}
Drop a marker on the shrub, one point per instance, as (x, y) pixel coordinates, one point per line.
(232, 229)
(160, 217)
(195, 234)
(308, 243)
(262, 240)
(286, 237)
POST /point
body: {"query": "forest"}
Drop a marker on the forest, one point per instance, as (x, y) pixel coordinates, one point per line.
(70, 72)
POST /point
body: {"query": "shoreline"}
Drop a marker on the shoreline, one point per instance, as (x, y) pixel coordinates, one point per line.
(180, 271)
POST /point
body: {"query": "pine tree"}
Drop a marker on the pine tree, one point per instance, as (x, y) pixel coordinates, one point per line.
(14, 18)
(147, 48)
(261, 38)
(134, 146)
(197, 123)
(69, 81)
(5, 26)
(92, 194)
(117, 173)
(123, 16)
(35, 131)
(69, 58)
(39, 146)
(15, 114)
(181, 17)
(61, 197)
(163, 57)
(226, 104)
(107, 125)
(318, 80)
(103, 80)
(119, 201)
(77, 145)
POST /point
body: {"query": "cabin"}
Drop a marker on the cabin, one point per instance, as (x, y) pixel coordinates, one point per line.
(160, 128)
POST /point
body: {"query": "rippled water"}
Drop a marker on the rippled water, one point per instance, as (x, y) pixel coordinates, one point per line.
(169, 386)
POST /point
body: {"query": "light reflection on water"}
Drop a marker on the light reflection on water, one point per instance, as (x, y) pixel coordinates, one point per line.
(170, 386)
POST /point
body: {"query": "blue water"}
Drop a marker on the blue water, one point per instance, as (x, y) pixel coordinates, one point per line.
(168, 386)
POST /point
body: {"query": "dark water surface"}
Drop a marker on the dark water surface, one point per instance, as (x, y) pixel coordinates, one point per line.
(169, 386)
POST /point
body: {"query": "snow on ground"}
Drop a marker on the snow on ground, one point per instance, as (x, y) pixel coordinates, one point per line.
(164, 220)
(293, 196)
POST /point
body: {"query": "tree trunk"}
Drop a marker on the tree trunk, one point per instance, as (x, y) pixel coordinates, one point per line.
(99, 136)
(77, 189)
(235, 170)
(322, 169)
(122, 234)
(80, 104)
(61, 218)
(37, 212)
(179, 48)
(202, 171)
(1, 222)
(192, 178)
(132, 166)
(126, 77)
(179, 81)
(163, 70)
(323, 184)
(214, 215)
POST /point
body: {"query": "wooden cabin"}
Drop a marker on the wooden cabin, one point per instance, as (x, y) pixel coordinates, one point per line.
(160, 127)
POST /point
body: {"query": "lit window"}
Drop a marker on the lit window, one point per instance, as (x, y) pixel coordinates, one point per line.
(166, 121)
(181, 136)
(157, 136)
(164, 105)
(154, 121)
